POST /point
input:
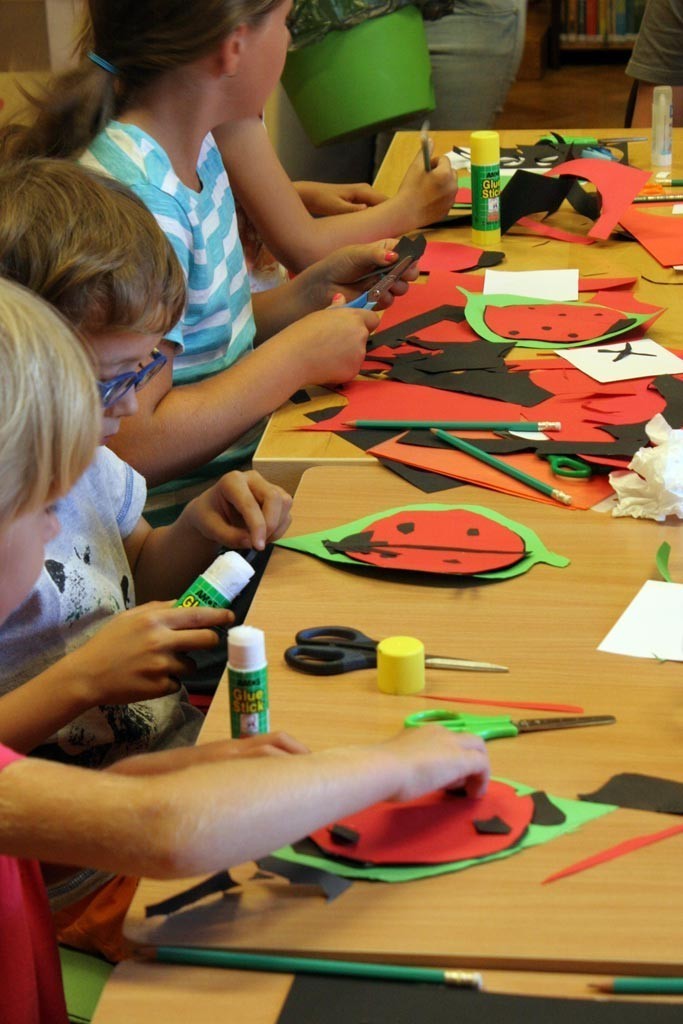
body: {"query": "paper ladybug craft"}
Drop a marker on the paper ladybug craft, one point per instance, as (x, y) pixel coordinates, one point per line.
(443, 540)
(541, 324)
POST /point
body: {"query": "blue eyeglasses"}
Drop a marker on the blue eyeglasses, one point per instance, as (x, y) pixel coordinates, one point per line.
(112, 391)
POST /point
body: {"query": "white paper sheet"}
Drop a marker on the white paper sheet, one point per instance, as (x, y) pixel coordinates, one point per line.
(651, 626)
(643, 358)
(555, 285)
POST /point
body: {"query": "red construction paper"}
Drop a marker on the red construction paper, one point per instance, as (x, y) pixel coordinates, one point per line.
(600, 284)
(448, 256)
(617, 184)
(447, 331)
(624, 300)
(434, 829)
(570, 709)
(440, 289)
(559, 322)
(386, 399)
(661, 236)
(452, 541)
(614, 851)
(541, 227)
(460, 466)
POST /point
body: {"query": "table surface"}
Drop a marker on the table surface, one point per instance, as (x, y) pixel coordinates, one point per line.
(546, 627)
(284, 453)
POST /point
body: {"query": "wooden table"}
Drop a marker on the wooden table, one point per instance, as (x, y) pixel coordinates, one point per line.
(284, 453)
(546, 625)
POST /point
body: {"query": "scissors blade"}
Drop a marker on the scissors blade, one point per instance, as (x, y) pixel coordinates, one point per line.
(462, 665)
(542, 724)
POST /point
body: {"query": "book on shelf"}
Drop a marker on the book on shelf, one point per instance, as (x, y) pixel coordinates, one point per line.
(600, 22)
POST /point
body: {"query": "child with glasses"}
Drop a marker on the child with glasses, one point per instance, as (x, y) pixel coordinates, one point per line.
(85, 676)
(49, 426)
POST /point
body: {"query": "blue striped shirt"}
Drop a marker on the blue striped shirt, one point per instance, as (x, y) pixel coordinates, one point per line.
(217, 327)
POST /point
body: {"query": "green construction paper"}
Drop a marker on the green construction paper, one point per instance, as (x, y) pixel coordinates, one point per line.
(313, 543)
(577, 813)
(662, 560)
(477, 303)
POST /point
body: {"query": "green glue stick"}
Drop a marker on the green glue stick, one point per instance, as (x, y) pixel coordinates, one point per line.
(247, 682)
(485, 173)
(219, 585)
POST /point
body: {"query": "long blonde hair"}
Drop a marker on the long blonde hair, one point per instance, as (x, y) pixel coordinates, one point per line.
(138, 40)
(89, 247)
(50, 412)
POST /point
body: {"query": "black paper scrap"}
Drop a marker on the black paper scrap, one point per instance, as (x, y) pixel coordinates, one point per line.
(336, 1000)
(545, 811)
(505, 387)
(489, 258)
(364, 437)
(423, 479)
(319, 415)
(300, 396)
(494, 826)
(407, 246)
(222, 881)
(671, 389)
(640, 792)
(528, 193)
(344, 834)
(419, 323)
(299, 874)
(471, 355)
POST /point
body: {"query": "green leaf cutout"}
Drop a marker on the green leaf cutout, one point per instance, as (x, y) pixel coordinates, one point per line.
(536, 551)
(477, 303)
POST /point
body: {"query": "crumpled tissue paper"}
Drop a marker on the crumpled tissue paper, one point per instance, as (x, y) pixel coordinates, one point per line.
(654, 488)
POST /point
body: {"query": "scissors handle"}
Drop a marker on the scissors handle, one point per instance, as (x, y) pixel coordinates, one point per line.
(492, 727)
(322, 660)
(565, 465)
(339, 636)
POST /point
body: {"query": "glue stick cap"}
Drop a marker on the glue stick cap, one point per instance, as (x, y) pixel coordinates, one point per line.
(229, 574)
(400, 665)
(246, 648)
(484, 148)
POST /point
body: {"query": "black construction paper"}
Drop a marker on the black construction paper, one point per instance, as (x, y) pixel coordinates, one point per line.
(492, 826)
(222, 881)
(335, 1000)
(545, 811)
(640, 792)
(299, 874)
(423, 479)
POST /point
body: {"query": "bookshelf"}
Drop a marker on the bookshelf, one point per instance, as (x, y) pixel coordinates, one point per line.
(597, 24)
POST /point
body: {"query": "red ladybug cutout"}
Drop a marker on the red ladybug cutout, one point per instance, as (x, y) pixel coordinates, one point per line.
(556, 322)
(434, 829)
(452, 541)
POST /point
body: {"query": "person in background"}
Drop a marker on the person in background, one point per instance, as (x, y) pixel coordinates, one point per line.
(657, 59)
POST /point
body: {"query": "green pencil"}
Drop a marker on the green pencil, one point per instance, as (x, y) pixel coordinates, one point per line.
(307, 965)
(521, 425)
(642, 986)
(490, 460)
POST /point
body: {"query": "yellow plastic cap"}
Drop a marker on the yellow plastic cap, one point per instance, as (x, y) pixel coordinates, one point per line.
(400, 665)
(484, 148)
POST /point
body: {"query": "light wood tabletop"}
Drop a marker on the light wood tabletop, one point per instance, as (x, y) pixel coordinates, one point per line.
(284, 452)
(546, 625)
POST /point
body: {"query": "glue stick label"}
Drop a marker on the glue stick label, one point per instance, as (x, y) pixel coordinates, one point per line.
(248, 692)
(202, 594)
(485, 197)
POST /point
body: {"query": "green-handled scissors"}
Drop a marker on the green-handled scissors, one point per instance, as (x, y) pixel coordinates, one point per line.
(568, 466)
(494, 727)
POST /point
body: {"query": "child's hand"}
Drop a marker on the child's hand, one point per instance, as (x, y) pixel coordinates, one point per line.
(241, 510)
(140, 653)
(340, 271)
(324, 199)
(271, 744)
(427, 196)
(330, 345)
(435, 758)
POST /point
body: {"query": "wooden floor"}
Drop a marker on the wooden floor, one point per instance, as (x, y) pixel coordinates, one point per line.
(570, 96)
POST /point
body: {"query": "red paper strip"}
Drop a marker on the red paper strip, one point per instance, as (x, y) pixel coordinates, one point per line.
(448, 256)
(600, 284)
(613, 852)
(570, 709)
(618, 185)
(540, 227)
(661, 236)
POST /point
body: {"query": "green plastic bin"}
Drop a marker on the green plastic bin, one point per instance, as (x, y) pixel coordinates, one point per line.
(357, 81)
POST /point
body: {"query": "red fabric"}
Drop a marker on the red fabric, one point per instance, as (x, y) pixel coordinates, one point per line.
(30, 976)
(434, 829)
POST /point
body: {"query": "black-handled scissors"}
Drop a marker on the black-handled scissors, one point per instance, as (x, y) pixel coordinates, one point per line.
(331, 650)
